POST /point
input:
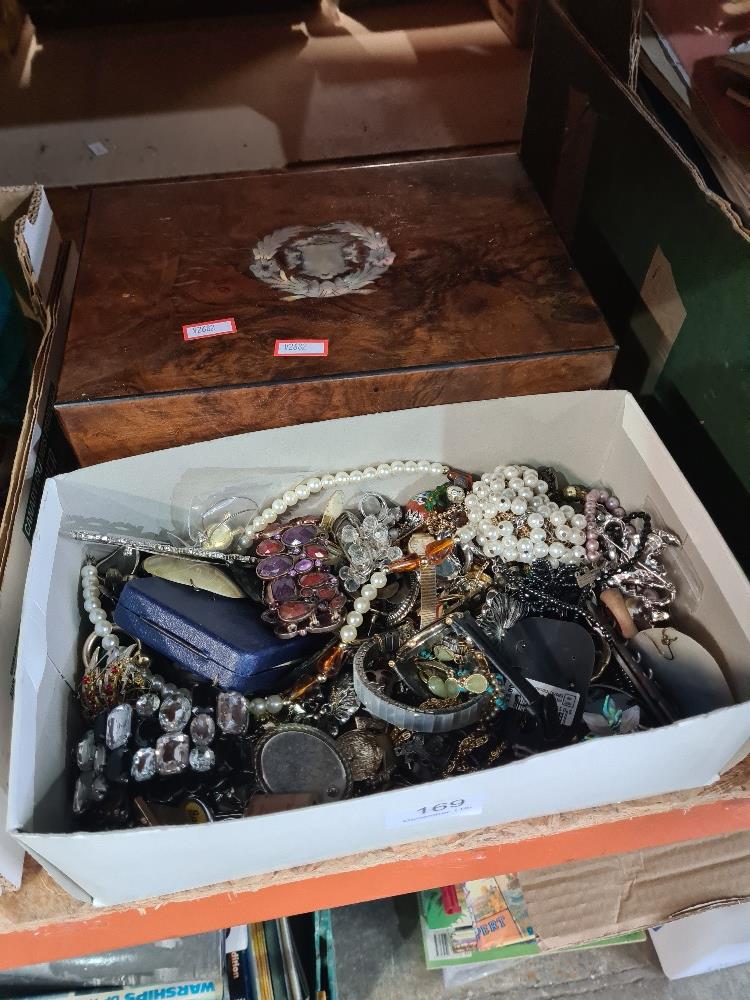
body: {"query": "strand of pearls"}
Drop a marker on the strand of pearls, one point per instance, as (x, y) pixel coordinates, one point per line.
(309, 487)
(362, 602)
(510, 518)
(91, 604)
(593, 498)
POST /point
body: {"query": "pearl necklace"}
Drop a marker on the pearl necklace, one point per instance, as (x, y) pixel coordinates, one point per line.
(91, 604)
(308, 487)
(510, 518)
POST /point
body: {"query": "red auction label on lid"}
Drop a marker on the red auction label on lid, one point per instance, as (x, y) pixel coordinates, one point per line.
(301, 349)
(211, 328)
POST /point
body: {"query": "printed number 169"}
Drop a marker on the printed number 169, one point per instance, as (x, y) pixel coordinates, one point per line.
(441, 806)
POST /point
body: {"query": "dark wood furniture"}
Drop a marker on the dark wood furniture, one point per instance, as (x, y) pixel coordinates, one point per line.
(480, 301)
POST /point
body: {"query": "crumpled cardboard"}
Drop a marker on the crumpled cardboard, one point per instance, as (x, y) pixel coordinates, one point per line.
(580, 901)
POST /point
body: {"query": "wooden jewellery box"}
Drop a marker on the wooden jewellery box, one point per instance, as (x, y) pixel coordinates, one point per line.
(214, 307)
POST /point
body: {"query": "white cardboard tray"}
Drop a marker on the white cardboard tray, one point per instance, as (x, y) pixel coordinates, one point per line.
(594, 437)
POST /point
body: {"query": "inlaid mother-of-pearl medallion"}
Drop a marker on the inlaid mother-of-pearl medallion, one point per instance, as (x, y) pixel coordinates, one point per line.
(322, 261)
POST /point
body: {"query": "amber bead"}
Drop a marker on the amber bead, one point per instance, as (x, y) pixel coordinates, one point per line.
(327, 666)
(437, 551)
(403, 565)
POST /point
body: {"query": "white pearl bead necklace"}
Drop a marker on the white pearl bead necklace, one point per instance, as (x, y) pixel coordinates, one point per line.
(92, 605)
(512, 499)
(316, 484)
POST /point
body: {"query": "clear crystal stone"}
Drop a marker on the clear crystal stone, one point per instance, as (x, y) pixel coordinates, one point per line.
(174, 713)
(172, 752)
(100, 758)
(119, 722)
(202, 758)
(147, 704)
(202, 729)
(371, 505)
(85, 752)
(82, 793)
(143, 766)
(232, 713)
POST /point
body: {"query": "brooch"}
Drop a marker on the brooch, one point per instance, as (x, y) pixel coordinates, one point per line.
(300, 593)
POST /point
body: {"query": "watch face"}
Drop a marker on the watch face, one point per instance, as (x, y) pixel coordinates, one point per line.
(297, 758)
(418, 543)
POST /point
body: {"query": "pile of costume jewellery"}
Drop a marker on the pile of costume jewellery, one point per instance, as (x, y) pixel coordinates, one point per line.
(326, 650)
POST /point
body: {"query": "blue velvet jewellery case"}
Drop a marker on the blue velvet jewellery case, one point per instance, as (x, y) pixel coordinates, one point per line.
(220, 639)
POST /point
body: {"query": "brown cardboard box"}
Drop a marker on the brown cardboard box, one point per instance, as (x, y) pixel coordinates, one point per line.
(582, 901)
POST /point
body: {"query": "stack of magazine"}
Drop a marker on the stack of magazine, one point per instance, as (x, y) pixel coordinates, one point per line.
(484, 920)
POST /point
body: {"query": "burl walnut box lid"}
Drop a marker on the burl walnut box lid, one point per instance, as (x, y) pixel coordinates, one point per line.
(397, 267)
